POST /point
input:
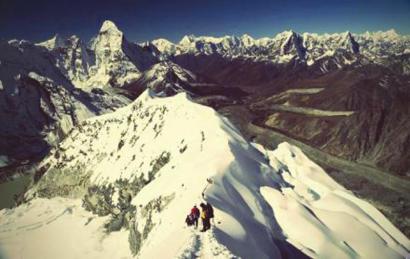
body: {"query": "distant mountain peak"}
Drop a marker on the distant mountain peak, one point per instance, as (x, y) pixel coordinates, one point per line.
(351, 43)
(55, 42)
(287, 34)
(74, 38)
(392, 32)
(247, 40)
(109, 26)
(162, 40)
(390, 35)
(247, 36)
(293, 42)
(187, 39)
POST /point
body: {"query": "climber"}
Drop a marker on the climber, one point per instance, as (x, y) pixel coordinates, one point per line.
(196, 214)
(189, 220)
(205, 213)
(210, 210)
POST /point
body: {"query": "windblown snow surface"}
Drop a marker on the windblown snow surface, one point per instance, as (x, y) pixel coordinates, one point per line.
(268, 204)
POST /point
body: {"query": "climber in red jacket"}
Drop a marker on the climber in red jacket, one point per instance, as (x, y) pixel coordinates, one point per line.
(195, 215)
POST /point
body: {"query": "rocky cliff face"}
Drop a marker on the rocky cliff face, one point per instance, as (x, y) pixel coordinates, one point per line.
(359, 118)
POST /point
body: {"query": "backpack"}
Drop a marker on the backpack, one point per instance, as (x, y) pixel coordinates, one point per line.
(209, 211)
(189, 220)
(195, 212)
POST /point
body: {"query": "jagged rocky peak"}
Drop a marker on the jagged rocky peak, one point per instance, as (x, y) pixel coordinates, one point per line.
(108, 44)
(163, 45)
(292, 43)
(187, 39)
(110, 27)
(55, 42)
(350, 43)
(74, 39)
(247, 40)
(76, 60)
(109, 35)
(108, 38)
(285, 35)
(117, 61)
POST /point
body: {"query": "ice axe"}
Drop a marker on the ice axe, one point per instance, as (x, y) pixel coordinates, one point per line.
(209, 181)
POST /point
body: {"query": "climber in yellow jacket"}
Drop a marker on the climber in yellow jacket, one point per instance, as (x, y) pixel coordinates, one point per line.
(206, 214)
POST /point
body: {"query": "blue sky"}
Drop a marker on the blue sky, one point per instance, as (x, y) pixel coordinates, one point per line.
(38, 20)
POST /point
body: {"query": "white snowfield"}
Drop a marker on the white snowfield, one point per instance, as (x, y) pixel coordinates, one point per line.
(268, 204)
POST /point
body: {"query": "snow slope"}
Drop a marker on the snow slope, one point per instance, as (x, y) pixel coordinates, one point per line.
(141, 168)
(335, 223)
(57, 228)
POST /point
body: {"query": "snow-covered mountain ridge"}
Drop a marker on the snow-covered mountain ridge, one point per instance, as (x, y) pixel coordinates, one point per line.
(288, 45)
(110, 60)
(126, 180)
(113, 60)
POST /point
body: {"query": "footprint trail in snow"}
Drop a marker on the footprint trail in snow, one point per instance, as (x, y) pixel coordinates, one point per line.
(205, 246)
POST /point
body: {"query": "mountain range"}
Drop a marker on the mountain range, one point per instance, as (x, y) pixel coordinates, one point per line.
(341, 64)
(111, 132)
